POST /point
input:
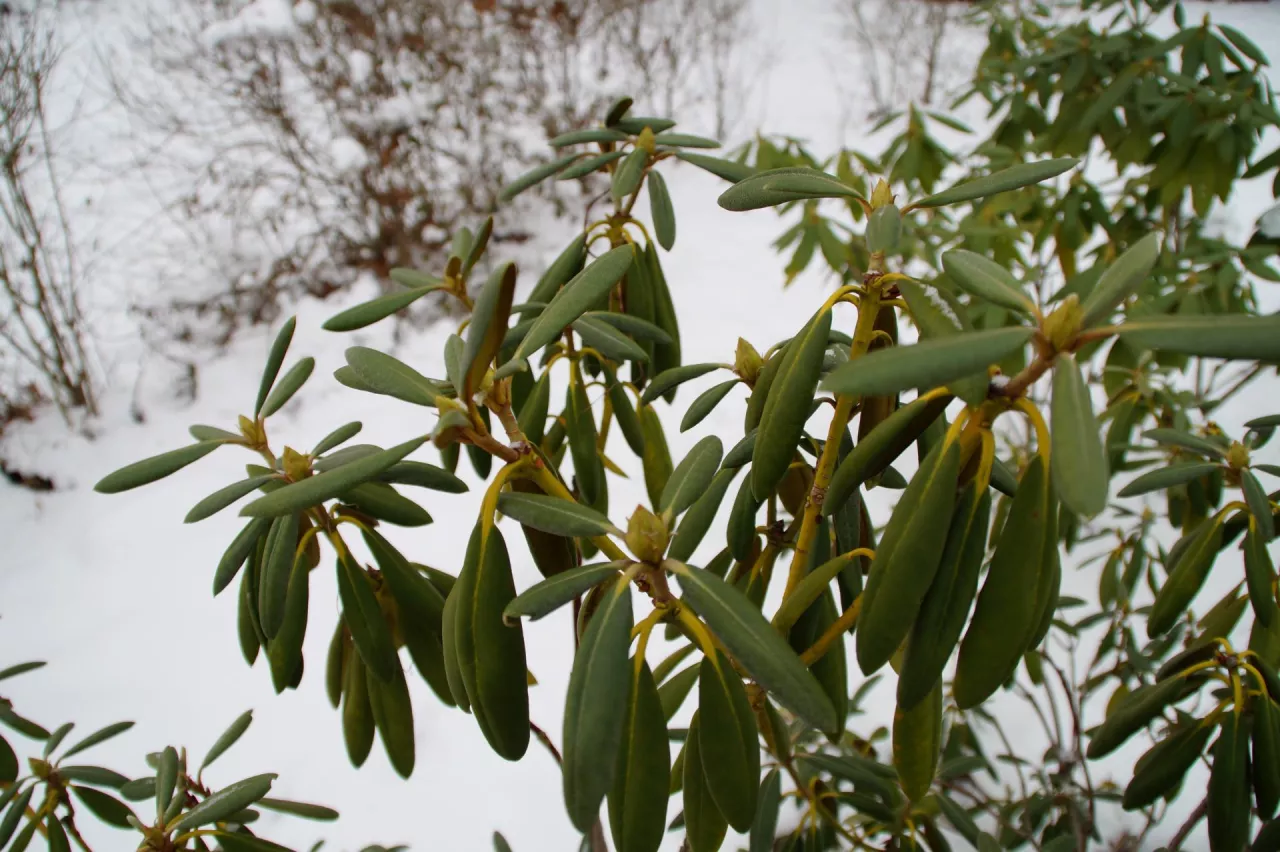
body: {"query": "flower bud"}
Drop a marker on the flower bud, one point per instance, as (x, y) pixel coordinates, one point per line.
(1238, 455)
(296, 465)
(645, 140)
(1062, 326)
(747, 362)
(646, 536)
(881, 196)
(250, 430)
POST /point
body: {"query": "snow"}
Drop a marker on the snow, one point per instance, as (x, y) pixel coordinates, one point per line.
(347, 153)
(260, 19)
(114, 591)
(360, 65)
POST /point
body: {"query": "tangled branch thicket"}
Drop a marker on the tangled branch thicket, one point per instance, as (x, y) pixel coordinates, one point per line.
(42, 325)
(331, 140)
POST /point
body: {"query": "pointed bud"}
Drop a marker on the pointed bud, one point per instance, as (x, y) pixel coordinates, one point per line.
(1062, 326)
(645, 140)
(747, 362)
(646, 536)
(881, 196)
(1238, 455)
(297, 466)
(249, 428)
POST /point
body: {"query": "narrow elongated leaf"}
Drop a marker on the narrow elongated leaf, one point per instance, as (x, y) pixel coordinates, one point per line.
(705, 826)
(275, 358)
(695, 523)
(104, 806)
(1259, 505)
(1121, 280)
(924, 365)
(367, 313)
(393, 718)
(1137, 709)
(672, 378)
(289, 384)
(1259, 574)
(20, 668)
(99, 736)
(755, 644)
(273, 585)
(488, 327)
(391, 376)
(765, 826)
(599, 684)
(587, 165)
(721, 168)
(1023, 174)
(227, 738)
(298, 809)
(555, 515)
(987, 280)
(1185, 441)
(625, 415)
(1241, 337)
(705, 404)
(780, 186)
(638, 799)
(1228, 791)
(238, 551)
(331, 483)
(727, 742)
(226, 801)
(224, 497)
(692, 476)
(610, 342)
(338, 436)
(788, 405)
(1167, 477)
(567, 264)
(591, 134)
(628, 174)
(423, 475)
(685, 140)
(1079, 461)
(554, 592)
(535, 176)
(156, 467)
(640, 329)
(363, 616)
(583, 292)
(662, 211)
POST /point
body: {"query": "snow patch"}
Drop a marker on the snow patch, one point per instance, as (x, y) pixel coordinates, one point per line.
(360, 66)
(347, 153)
(305, 12)
(261, 19)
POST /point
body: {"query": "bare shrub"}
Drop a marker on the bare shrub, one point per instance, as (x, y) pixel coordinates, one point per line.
(323, 141)
(43, 344)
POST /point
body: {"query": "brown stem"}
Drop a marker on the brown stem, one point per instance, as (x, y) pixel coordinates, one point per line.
(1187, 827)
(546, 741)
(1045, 356)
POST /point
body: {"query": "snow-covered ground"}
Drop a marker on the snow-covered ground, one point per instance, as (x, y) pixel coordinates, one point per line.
(115, 591)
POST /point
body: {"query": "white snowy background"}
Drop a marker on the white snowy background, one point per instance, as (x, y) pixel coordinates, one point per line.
(115, 591)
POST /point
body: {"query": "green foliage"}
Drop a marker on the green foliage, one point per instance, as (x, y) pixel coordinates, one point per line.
(1030, 283)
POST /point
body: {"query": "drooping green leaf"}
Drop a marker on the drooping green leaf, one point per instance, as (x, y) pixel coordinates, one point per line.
(298, 809)
(289, 384)
(610, 342)
(727, 169)
(628, 174)
(104, 806)
(638, 799)
(363, 616)
(1079, 462)
(755, 644)
(705, 404)
(582, 293)
(1121, 280)
(1167, 477)
(662, 211)
(367, 313)
(391, 376)
(275, 358)
(226, 802)
(599, 684)
(1234, 337)
(987, 280)
(156, 467)
(554, 592)
(924, 365)
(672, 378)
(692, 476)
(1023, 174)
(227, 738)
(331, 483)
(224, 497)
(488, 327)
(99, 736)
(555, 515)
(1259, 505)
(535, 176)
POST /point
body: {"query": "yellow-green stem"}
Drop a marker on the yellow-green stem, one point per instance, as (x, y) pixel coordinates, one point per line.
(862, 335)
